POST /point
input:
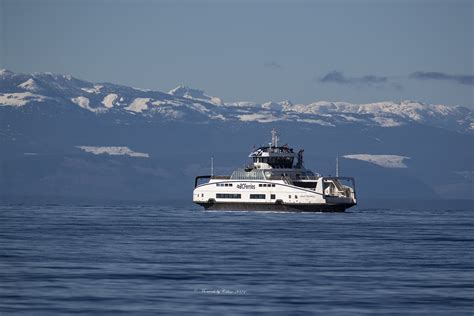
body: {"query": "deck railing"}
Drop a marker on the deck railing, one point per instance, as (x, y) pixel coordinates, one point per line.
(221, 177)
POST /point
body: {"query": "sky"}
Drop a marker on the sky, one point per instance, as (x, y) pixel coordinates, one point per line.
(303, 51)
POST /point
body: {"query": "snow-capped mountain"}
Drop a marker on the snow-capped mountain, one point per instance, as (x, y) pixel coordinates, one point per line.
(187, 104)
(195, 94)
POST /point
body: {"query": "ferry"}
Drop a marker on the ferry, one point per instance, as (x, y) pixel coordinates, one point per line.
(275, 180)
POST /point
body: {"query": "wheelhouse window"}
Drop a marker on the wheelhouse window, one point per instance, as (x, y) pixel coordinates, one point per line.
(257, 196)
(280, 162)
(227, 196)
(272, 196)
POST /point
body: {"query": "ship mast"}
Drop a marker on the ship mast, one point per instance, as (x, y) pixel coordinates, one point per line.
(274, 138)
(212, 166)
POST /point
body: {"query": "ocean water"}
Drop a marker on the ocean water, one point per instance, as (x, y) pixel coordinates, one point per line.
(182, 260)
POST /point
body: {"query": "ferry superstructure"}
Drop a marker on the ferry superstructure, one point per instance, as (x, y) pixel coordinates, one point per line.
(276, 180)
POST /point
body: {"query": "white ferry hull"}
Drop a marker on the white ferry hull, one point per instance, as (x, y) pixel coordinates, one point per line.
(274, 207)
(264, 195)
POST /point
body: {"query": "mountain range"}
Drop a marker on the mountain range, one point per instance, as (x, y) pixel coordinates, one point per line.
(62, 137)
(187, 104)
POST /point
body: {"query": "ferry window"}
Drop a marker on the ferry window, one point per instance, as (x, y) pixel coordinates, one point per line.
(289, 196)
(273, 185)
(272, 196)
(230, 184)
(296, 196)
(259, 184)
(257, 196)
(227, 196)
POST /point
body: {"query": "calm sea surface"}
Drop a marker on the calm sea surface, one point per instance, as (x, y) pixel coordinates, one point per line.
(183, 260)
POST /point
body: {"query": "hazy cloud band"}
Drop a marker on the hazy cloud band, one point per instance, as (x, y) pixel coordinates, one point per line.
(339, 77)
(462, 79)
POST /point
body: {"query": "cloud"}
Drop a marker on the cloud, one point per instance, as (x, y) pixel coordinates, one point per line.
(272, 64)
(340, 78)
(462, 79)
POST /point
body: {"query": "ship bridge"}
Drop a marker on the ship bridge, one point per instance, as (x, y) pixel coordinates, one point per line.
(276, 157)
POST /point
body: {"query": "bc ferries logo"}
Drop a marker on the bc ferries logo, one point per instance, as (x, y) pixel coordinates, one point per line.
(246, 186)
